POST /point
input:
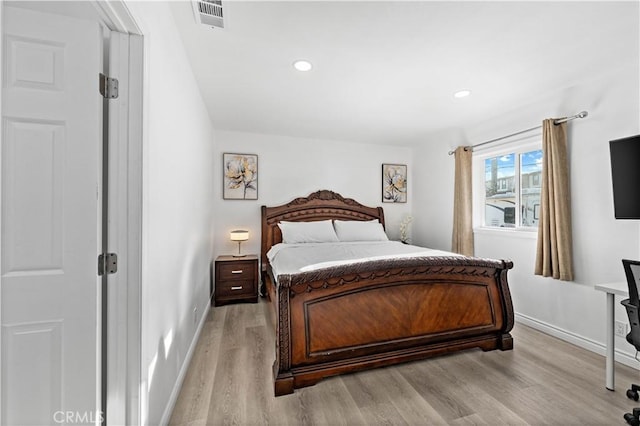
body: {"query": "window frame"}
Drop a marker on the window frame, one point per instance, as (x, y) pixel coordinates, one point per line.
(522, 146)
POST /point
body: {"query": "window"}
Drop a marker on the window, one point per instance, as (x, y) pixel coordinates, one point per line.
(512, 189)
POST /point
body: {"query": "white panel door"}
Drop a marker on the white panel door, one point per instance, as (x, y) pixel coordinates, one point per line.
(50, 175)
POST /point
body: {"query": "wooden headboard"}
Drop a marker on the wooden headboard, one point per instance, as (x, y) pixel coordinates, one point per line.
(320, 205)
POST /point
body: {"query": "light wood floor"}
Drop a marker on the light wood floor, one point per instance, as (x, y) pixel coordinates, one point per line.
(542, 381)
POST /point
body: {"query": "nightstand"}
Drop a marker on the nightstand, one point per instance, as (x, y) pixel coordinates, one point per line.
(236, 279)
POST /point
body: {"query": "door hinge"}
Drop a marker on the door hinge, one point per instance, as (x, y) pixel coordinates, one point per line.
(108, 87)
(107, 263)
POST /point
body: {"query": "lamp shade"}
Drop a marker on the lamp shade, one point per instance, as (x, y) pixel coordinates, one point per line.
(239, 235)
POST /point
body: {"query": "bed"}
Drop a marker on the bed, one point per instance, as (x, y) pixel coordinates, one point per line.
(349, 317)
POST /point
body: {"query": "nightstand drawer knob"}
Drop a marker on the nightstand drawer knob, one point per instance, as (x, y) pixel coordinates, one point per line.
(236, 288)
(237, 271)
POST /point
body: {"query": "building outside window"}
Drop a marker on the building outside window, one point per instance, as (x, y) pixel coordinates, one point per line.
(512, 183)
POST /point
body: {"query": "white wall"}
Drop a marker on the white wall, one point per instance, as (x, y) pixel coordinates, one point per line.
(178, 172)
(571, 310)
(294, 167)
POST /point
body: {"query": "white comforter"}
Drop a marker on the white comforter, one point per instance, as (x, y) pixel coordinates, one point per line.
(295, 258)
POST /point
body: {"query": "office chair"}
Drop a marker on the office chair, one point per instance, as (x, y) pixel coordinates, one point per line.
(632, 305)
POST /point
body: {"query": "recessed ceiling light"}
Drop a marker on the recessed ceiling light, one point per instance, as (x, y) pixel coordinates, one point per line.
(462, 93)
(302, 65)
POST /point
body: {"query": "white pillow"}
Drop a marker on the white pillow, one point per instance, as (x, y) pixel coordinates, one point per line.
(356, 230)
(320, 231)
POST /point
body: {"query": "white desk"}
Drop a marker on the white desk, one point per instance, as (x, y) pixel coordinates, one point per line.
(612, 289)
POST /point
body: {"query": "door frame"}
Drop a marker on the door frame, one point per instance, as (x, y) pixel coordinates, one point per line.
(125, 215)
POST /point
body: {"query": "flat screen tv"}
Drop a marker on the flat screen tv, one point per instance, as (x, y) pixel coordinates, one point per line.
(625, 173)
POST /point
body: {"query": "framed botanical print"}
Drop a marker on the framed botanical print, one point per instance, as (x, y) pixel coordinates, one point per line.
(240, 176)
(394, 183)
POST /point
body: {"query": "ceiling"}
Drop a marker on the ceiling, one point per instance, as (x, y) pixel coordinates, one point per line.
(385, 72)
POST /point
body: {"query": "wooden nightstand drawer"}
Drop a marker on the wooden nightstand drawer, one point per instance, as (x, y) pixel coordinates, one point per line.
(239, 270)
(236, 279)
(236, 288)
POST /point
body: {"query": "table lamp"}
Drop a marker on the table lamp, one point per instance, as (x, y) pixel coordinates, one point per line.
(239, 236)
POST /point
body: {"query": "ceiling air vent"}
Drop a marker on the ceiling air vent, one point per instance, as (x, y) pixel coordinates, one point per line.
(209, 12)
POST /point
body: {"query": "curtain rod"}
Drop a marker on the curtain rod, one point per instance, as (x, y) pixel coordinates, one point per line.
(581, 114)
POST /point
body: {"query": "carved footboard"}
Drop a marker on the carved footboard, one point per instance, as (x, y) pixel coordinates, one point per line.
(346, 319)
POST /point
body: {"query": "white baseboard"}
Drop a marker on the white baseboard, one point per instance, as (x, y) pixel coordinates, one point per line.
(575, 339)
(166, 416)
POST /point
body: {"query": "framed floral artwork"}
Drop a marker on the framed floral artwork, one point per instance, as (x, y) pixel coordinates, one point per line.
(394, 183)
(240, 179)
